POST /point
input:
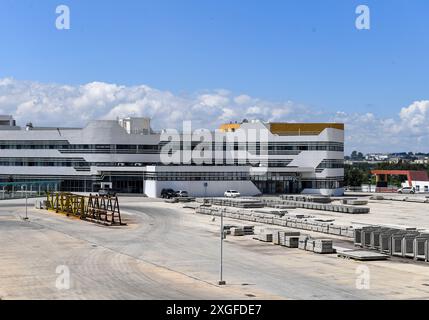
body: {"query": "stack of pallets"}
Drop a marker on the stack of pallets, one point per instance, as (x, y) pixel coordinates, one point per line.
(323, 246)
(291, 241)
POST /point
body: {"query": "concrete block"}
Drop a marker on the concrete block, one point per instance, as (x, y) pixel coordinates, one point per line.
(323, 246)
(292, 242)
(310, 245)
(302, 242)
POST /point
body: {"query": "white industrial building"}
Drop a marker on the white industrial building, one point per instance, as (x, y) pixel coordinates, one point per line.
(127, 155)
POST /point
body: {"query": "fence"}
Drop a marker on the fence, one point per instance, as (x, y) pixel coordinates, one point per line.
(27, 189)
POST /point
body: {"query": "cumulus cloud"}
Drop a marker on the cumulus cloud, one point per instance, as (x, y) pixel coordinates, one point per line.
(54, 104)
(74, 105)
(408, 131)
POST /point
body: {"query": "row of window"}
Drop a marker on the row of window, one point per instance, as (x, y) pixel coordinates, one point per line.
(270, 148)
(323, 184)
(197, 176)
(330, 164)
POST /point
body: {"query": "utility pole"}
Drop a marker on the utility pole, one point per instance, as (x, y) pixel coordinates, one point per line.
(221, 281)
(26, 203)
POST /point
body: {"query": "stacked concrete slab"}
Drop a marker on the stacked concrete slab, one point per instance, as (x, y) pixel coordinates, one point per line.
(323, 246)
(237, 232)
(241, 230)
(349, 209)
(290, 221)
(401, 198)
(291, 241)
(305, 198)
(355, 202)
(302, 242)
(265, 236)
(309, 245)
(235, 202)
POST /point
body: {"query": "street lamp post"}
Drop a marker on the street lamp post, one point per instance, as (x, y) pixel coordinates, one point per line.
(221, 281)
(26, 202)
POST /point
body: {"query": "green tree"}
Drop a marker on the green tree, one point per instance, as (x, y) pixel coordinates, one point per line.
(355, 177)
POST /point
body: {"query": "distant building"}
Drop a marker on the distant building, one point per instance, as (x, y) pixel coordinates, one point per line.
(376, 157)
(417, 179)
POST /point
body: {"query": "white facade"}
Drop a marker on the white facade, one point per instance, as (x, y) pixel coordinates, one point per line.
(419, 186)
(130, 156)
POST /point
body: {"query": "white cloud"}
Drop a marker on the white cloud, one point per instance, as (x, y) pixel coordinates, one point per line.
(54, 104)
(67, 105)
(416, 116)
(409, 131)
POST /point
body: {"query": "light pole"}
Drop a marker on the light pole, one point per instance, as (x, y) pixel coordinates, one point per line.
(26, 202)
(221, 281)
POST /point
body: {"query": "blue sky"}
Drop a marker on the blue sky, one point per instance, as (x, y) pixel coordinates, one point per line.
(304, 51)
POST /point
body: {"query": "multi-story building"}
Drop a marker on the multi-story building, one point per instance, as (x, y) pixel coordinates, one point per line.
(128, 156)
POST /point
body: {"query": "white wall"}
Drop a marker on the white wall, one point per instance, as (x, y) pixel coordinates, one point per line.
(419, 185)
(196, 188)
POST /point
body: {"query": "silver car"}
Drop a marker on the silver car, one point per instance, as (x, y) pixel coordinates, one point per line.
(407, 190)
(232, 194)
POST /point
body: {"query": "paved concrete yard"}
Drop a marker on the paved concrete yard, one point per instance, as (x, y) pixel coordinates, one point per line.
(167, 252)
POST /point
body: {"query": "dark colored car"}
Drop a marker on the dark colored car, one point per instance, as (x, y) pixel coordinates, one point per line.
(168, 193)
(107, 192)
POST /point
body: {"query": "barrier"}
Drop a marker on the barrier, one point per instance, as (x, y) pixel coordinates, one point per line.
(93, 208)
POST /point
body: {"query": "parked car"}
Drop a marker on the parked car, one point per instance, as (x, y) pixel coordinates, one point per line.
(409, 190)
(168, 193)
(232, 194)
(182, 194)
(107, 192)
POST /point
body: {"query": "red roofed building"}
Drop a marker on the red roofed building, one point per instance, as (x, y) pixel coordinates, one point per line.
(417, 179)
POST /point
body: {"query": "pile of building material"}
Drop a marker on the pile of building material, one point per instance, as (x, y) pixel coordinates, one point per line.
(237, 232)
(362, 255)
(290, 221)
(350, 209)
(276, 236)
(265, 236)
(291, 241)
(248, 230)
(401, 198)
(227, 228)
(407, 243)
(355, 202)
(234, 202)
(309, 245)
(376, 197)
(279, 213)
(282, 237)
(323, 246)
(304, 198)
(240, 230)
(302, 242)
